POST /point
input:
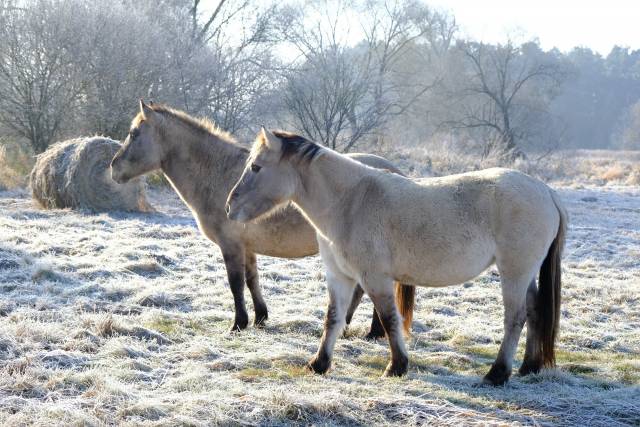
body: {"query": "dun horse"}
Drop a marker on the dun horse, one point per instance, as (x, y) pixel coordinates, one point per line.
(376, 227)
(202, 163)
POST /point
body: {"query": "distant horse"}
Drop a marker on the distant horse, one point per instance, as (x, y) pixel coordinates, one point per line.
(376, 227)
(202, 163)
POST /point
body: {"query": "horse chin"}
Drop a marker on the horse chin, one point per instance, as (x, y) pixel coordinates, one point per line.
(253, 214)
(239, 216)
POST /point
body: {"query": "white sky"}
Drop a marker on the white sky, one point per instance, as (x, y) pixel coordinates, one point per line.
(597, 24)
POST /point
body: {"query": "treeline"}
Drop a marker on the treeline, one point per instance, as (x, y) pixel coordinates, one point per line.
(348, 74)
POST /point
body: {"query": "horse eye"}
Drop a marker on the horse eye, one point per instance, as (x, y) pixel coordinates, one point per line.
(134, 133)
(255, 168)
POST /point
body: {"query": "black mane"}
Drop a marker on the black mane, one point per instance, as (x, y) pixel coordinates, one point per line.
(296, 145)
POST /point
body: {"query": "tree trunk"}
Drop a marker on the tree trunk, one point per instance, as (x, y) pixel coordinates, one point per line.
(510, 150)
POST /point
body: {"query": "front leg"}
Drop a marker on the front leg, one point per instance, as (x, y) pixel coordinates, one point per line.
(251, 276)
(340, 289)
(234, 261)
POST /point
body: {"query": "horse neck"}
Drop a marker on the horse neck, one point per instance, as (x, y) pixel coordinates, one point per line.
(201, 167)
(323, 185)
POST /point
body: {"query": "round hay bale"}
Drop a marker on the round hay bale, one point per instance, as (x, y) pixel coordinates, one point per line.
(76, 174)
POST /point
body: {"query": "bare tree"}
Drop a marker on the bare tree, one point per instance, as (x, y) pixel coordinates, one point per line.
(118, 67)
(338, 93)
(627, 132)
(495, 94)
(174, 53)
(218, 68)
(327, 98)
(38, 87)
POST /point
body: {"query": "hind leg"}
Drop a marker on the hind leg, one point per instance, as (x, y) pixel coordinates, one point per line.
(376, 330)
(355, 302)
(513, 297)
(251, 277)
(533, 352)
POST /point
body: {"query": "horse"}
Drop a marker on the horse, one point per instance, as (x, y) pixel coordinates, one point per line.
(202, 163)
(375, 228)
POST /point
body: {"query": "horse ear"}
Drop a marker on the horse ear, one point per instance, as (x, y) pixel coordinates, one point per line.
(145, 109)
(273, 142)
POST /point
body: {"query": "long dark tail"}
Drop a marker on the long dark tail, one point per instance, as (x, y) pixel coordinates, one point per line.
(405, 299)
(549, 289)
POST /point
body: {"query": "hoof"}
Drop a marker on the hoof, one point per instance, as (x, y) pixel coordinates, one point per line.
(397, 367)
(395, 370)
(239, 324)
(260, 319)
(319, 365)
(529, 367)
(498, 375)
(235, 329)
(373, 335)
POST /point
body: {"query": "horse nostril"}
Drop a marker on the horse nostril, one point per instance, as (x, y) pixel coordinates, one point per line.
(227, 208)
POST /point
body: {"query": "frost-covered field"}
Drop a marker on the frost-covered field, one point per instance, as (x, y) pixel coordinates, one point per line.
(123, 319)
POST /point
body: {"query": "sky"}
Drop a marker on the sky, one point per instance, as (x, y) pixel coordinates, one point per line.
(597, 24)
(564, 24)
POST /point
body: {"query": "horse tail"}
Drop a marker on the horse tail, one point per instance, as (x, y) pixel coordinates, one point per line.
(405, 299)
(549, 287)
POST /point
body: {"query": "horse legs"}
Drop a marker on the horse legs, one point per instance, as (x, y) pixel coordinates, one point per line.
(340, 292)
(377, 330)
(532, 354)
(513, 298)
(234, 261)
(382, 294)
(355, 302)
(251, 276)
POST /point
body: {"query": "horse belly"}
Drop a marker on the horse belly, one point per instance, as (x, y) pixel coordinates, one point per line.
(285, 236)
(450, 265)
(286, 246)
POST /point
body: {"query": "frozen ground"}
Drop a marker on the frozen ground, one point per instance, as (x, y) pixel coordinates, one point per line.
(109, 319)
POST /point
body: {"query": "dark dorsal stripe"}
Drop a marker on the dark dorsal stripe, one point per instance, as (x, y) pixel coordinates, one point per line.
(298, 146)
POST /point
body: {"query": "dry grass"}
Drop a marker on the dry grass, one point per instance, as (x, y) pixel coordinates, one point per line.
(597, 167)
(122, 319)
(15, 164)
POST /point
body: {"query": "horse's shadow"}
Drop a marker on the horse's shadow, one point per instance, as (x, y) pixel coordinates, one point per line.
(553, 397)
(149, 218)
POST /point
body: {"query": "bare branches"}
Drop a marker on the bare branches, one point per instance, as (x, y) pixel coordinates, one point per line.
(37, 84)
(496, 79)
(339, 93)
(343, 72)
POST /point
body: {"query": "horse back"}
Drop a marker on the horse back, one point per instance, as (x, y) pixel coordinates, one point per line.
(441, 231)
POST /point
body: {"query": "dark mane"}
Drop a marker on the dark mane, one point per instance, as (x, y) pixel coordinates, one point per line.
(296, 145)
